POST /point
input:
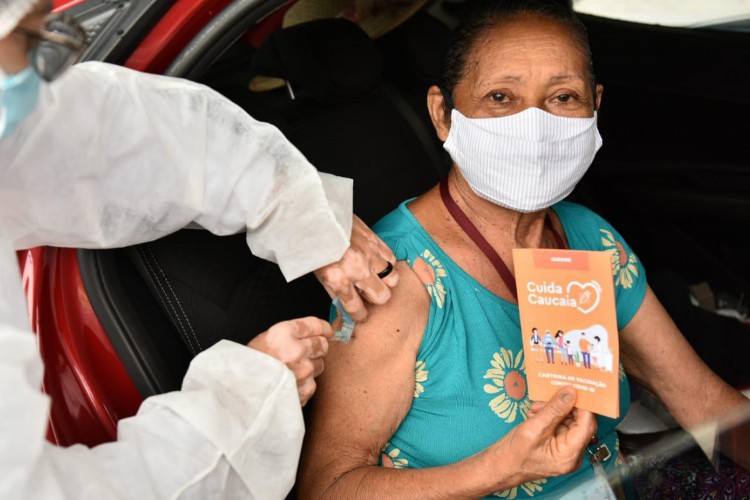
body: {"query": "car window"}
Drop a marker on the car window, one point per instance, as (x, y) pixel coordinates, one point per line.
(730, 15)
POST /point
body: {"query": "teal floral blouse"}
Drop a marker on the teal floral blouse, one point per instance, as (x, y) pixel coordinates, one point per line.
(469, 375)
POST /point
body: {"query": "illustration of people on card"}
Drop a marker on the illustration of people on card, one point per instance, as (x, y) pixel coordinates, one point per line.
(584, 346)
(569, 351)
(549, 347)
(560, 346)
(601, 355)
(535, 342)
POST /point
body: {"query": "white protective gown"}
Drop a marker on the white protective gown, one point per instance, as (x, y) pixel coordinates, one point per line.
(114, 157)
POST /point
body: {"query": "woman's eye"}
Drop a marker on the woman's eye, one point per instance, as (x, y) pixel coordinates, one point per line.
(498, 97)
(564, 98)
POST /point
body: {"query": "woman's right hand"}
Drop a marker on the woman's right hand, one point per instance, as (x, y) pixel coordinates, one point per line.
(550, 443)
(301, 345)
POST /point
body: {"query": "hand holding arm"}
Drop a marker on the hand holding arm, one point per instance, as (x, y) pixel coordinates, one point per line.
(358, 272)
(301, 345)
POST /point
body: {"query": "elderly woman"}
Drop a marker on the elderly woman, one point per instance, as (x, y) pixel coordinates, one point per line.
(429, 399)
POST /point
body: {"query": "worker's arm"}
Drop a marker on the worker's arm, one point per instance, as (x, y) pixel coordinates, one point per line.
(234, 430)
(114, 157)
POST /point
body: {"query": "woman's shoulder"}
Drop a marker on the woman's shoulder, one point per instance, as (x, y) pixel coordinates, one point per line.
(396, 221)
(587, 228)
(402, 232)
(577, 213)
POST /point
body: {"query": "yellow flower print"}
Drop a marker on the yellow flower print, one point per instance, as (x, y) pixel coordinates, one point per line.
(509, 384)
(420, 375)
(531, 488)
(430, 271)
(390, 459)
(624, 266)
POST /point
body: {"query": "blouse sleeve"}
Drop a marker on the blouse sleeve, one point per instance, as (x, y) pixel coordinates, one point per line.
(628, 273)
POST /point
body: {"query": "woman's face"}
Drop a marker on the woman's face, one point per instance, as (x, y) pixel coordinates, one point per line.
(522, 63)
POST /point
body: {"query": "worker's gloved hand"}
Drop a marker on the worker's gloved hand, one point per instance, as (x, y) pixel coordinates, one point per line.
(366, 268)
(301, 345)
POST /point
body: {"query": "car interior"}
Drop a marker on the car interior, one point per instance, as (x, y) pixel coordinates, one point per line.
(672, 177)
(340, 112)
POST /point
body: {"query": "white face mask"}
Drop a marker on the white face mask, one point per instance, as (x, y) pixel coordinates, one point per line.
(527, 161)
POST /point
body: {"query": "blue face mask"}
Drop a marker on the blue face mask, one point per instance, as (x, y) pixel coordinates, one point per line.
(19, 94)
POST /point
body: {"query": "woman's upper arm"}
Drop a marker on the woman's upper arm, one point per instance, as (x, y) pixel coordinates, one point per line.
(655, 353)
(366, 389)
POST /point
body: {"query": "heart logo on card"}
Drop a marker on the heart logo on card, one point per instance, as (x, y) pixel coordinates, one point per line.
(587, 295)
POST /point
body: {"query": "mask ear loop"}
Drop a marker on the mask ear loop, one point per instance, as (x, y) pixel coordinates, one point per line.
(596, 105)
(447, 97)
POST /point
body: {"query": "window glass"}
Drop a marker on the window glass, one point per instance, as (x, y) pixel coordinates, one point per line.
(714, 14)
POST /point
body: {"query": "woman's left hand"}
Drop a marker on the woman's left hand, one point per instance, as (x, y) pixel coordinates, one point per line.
(366, 269)
(551, 442)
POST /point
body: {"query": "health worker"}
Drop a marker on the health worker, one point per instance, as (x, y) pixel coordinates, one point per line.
(101, 156)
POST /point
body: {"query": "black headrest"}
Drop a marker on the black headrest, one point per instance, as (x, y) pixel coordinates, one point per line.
(333, 60)
(415, 51)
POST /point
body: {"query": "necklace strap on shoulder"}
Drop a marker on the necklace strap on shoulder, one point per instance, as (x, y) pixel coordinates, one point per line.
(472, 232)
(559, 243)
